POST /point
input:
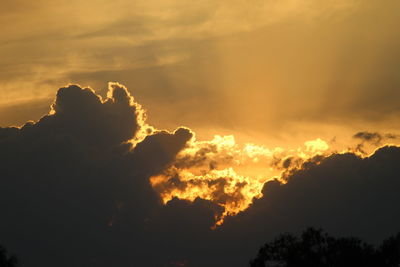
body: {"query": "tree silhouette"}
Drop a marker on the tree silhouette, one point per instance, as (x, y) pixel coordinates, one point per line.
(314, 248)
(5, 260)
(389, 251)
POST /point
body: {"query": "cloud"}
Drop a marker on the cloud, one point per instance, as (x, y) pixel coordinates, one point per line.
(140, 41)
(83, 115)
(371, 139)
(70, 176)
(342, 193)
(86, 185)
(228, 174)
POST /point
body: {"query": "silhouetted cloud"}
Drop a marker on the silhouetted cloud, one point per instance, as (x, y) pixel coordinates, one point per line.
(75, 190)
(343, 193)
(369, 137)
(372, 138)
(70, 176)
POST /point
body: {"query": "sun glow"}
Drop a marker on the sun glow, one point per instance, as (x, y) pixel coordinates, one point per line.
(228, 174)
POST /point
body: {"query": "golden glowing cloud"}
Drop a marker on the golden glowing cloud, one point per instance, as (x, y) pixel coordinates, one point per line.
(232, 175)
(228, 174)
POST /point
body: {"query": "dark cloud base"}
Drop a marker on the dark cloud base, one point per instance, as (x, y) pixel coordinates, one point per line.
(74, 192)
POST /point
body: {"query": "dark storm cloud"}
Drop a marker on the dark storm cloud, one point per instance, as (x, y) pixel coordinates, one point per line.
(74, 192)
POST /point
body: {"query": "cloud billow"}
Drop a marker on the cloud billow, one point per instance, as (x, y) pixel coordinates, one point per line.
(75, 191)
(67, 177)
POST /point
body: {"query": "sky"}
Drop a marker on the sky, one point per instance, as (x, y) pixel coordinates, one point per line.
(176, 133)
(265, 71)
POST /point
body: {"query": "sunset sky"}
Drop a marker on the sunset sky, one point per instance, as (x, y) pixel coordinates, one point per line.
(196, 106)
(271, 72)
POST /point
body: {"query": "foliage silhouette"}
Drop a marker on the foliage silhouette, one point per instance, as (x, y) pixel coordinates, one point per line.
(5, 260)
(315, 248)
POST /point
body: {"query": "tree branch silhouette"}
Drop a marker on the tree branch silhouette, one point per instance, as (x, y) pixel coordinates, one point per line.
(315, 248)
(7, 260)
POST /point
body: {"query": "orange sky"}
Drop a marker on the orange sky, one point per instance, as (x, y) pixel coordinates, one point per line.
(275, 73)
(170, 118)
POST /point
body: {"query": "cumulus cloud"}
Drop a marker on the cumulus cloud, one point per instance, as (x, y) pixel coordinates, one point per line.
(72, 174)
(342, 193)
(84, 115)
(91, 184)
(228, 174)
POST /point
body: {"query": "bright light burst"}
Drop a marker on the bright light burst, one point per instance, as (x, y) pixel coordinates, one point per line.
(228, 174)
